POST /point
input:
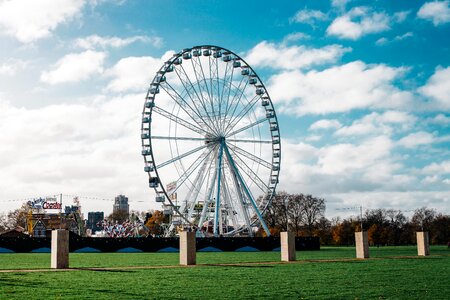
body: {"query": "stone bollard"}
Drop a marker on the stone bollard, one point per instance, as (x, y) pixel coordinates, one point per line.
(60, 249)
(287, 240)
(362, 244)
(423, 244)
(187, 248)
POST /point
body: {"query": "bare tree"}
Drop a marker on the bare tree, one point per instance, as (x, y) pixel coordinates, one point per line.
(423, 217)
(295, 212)
(312, 209)
(276, 216)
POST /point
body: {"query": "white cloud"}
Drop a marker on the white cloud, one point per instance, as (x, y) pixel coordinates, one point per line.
(75, 67)
(280, 56)
(438, 88)
(325, 124)
(339, 3)
(437, 12)
(416, 139)
(366, 166)
(431, 179)
(29, 21)
(383, 41)
(313, 138)
(134, 73)
(437, 168)
(341, 158)
(85, 149)
(308, 16)
(440, 119)
(399, 200)
(12, 66)
(338, 89)
(404, 36)
(295, 36)
(359, 21)
(401, 16)
(378, 124)
(95, 41)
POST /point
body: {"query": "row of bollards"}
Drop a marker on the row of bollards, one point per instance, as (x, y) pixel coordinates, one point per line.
(362, 244)
(188, 251)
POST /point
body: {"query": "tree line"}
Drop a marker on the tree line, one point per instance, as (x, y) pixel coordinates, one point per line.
(305, 215)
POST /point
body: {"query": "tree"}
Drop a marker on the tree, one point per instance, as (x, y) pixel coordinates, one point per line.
(295, 212)
(276, 216)
(119, 216)
(440, 229)
(313, 209)
(422, 218)
(343, 232)
(323, 231)
(154, 222)
(18, 217)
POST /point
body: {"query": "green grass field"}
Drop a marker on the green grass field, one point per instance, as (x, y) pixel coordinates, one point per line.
(331, 273)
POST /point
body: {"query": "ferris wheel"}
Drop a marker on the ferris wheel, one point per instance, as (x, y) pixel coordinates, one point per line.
(211, 142)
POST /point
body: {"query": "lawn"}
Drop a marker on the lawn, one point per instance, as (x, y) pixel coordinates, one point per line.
(390, 273)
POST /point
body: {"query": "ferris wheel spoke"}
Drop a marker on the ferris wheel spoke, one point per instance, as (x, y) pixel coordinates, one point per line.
(214, 84)
(246, 190)
(236, 97)
(208, 197)
(246, 127)
(181, 156)
(183, 104)
(230, 80)
(247, 154)
(249, 172)
(235, 120)
(185, 81)
(198, 72)
(187, 173)
(201, 177)
(208, 89)
(199, 93)
(249, 141)
(195, 188)
(204, 81)
(178, 120)
(179, 138)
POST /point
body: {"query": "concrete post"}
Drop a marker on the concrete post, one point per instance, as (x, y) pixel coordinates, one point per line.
(60, 249)
(287, 240)
(362, 244)
(423, 243)
(187, 248)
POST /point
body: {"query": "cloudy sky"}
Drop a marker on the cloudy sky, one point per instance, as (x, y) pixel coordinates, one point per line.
(361, 88)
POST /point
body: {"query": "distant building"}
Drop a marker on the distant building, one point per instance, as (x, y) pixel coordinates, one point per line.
(94, 217)
(121, 206)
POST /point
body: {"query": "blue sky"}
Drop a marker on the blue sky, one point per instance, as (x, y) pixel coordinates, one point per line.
(362, 90)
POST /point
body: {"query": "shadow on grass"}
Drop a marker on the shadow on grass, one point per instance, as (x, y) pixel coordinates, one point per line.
(235, 266)
(104, 270)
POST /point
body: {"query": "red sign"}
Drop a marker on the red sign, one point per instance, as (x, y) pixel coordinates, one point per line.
(51, 205)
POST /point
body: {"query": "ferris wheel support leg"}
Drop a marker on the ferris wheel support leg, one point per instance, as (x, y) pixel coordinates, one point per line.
(246, 190)
(219, 175)
(241, 200)
(207, 201)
